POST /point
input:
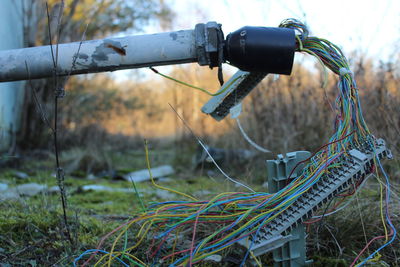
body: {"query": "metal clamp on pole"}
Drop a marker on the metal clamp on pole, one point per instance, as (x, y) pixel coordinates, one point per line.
(203, 45)
(210, 46)
(209, 40)
(253, 49)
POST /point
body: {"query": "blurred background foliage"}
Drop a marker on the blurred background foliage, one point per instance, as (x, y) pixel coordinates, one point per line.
(87, 19)
(287, 114)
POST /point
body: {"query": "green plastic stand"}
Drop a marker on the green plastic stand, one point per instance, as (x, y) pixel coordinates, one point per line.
(292, 253)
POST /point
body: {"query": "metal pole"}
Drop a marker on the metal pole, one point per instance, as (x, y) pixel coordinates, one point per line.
(100, 55)
(200, 45)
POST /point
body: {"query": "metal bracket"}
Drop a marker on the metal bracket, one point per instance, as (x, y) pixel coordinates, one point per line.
(209, 40)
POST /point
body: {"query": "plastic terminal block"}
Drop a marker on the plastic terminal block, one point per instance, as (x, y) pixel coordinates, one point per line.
(274, 243)
(292, 253)
(234, 90)
(278, 170)
(354, 168)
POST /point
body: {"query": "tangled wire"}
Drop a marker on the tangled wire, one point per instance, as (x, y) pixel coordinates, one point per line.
(229, 217)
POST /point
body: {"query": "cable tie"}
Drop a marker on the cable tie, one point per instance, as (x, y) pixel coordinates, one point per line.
(344, 71)
(235, 111)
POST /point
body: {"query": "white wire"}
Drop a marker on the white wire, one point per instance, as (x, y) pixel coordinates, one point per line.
(208, 153)
(251, 142)
(219, 168)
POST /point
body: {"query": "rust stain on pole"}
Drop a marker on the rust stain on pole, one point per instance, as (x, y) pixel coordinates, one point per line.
(119, 50)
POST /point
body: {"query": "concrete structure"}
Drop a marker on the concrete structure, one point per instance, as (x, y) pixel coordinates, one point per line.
(12, 93)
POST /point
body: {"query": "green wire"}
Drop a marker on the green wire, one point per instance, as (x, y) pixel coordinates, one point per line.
(123, 252)
(125, 245)
(138, 196)
(133, 261)
(193, 86)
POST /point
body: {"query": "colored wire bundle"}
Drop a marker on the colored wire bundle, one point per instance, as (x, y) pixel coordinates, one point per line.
(185, 232)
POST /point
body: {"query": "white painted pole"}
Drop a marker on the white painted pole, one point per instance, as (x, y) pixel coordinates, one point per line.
(202, 44)
(100, 55)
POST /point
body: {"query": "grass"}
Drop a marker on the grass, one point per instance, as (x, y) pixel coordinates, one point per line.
(32, 232)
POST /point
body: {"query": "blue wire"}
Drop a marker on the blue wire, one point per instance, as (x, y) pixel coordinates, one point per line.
(96, 250)
(387, 215)
(263, 219)
(170, 202)
(216, 204)
(297, 192)
(252, 242)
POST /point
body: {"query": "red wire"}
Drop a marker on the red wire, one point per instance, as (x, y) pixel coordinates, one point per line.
(369, 243)
(102, 241)
(320, 148)
(193, 239)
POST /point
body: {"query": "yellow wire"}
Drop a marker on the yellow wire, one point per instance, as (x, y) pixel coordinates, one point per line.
(141, 239)
(381, 202)
(120, 253)
(119, 236)
(252, 254)
(111, 253)
(142, 227)
(256, 217)
(325, 83)
(150, 223)
(174, 246)
(256, 259)
(147, 225)
(377, 257)
(159, 186)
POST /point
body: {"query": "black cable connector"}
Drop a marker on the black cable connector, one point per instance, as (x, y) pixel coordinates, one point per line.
(261, 49)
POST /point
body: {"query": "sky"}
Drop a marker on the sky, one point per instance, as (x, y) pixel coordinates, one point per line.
(370, 27)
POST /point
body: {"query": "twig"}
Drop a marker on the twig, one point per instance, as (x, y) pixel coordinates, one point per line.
(59, 171)
(36, 100)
